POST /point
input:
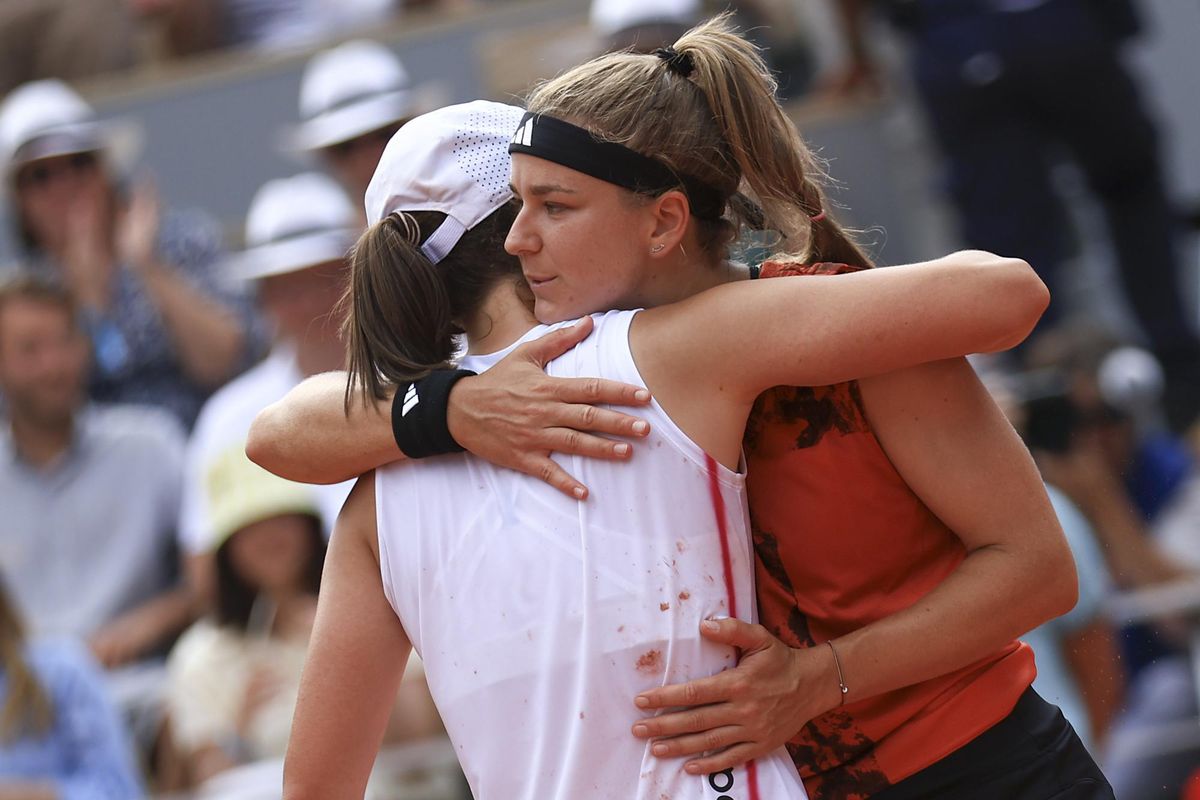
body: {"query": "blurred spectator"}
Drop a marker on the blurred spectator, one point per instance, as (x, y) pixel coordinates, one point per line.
(353, 97)
(90, 493)
(1096, 445)
(1005, 93)
(162, 331)
(63, 39)
(298, 231)
(60, 738)
(1078, 660)
(234, 676)
(195, 26)
(642, 25)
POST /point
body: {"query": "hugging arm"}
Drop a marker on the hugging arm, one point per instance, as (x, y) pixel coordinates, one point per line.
(514, 415)
(820, 330)
(354, 665)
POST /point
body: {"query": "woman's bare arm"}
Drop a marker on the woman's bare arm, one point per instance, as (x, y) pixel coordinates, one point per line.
(514, 415)
(355, 662)
(824, 329)
(959, 454)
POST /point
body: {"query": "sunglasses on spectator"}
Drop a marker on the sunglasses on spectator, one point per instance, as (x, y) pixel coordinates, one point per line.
(41, 173)
(343, 149)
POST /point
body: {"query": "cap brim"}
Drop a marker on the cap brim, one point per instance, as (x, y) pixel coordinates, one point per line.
(291, 255)
(344, 124)
(120, 141)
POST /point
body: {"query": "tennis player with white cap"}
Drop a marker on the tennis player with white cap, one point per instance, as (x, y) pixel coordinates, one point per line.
(538, 616)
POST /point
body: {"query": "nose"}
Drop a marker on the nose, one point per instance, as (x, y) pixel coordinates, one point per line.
(521, 239)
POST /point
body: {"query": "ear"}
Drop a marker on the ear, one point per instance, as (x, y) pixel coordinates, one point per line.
(671, 217)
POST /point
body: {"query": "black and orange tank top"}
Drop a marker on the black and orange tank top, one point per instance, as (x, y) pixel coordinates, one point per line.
(842, 541)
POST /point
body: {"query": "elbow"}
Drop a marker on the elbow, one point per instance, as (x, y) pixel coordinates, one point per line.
(262, 442)
(1057, 580)
(1025, 299)
(1034, 297)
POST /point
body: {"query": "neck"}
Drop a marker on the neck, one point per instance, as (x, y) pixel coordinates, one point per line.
(41, 442)
(503, 318)
(689, 278)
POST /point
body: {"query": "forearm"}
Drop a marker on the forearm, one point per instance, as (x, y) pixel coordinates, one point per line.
(161, 617)
(311, 436)
(992, 598)
(833, 328)
(208, 337)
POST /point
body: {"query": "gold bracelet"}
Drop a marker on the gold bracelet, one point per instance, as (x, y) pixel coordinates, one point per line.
(841, 680)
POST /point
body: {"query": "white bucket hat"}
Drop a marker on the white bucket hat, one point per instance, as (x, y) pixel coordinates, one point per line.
(350, 90)
(294, 223)
(454, 160)
(47, 118)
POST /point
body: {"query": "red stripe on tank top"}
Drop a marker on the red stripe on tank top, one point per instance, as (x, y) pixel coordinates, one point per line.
(718, 504)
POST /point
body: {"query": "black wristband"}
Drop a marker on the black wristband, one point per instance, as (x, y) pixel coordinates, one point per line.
(419, 414)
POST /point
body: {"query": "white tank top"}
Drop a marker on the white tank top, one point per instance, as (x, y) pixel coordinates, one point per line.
(539, 618)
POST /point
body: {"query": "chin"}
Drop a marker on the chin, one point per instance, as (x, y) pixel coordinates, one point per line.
(550, 313)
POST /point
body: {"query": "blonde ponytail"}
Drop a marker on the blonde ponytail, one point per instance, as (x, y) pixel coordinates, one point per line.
(706, 107)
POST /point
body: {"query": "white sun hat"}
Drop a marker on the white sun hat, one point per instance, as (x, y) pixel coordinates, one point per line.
(454, 160)
(347, 91)
(609, 17)
(294, 223)
(47, 118)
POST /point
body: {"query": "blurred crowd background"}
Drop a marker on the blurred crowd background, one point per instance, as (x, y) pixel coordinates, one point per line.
(182, 180)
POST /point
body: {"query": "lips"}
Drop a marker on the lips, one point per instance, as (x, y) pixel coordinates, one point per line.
(539, 281)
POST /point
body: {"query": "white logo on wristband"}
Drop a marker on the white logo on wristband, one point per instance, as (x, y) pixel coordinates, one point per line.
(410, 400)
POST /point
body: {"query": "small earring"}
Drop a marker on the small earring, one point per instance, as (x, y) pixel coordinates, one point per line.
(657, 248)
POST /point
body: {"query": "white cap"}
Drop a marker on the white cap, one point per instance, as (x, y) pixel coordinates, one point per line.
(454, 160)
(348, 91)
(608, 17)
(295, 223)
(47, 118)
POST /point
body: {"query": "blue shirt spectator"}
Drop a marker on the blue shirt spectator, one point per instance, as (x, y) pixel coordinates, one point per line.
(86, 754)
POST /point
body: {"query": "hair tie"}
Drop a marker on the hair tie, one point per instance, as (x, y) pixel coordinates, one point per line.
(679, 63)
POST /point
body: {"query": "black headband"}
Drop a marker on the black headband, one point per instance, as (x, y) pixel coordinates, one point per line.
(578, 149)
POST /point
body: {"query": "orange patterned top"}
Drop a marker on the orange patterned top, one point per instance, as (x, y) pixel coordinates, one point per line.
(842, 541)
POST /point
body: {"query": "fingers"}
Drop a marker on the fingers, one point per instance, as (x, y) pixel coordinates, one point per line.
(696, 744)
(599, 391)
(726, 759)
(702, 720)
(736, 633)
(549, 347)
(549, 471)
(703, 691)
(601, 420)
